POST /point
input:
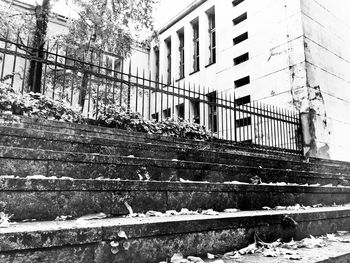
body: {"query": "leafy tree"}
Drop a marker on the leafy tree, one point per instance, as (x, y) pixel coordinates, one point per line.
(109, 25)
(29, 27)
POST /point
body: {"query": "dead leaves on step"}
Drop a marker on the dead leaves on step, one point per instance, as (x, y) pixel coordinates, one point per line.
(278, 249)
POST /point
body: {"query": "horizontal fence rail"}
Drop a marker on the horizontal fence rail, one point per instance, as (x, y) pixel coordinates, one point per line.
(90, 79)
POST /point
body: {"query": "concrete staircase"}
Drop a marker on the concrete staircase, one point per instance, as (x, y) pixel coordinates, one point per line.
(55, 170)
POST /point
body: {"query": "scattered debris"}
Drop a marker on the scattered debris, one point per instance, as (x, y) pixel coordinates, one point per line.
(231, 210)
(83, 219)
(185, 181)
(122, 234)
(312, 242)
(4, 220)
(177, 258)
(195, 259)
(155, 213)
(255, 180)
(63, 218)
(131, 212)
(210, 256)
(251, 249)
(210, 212)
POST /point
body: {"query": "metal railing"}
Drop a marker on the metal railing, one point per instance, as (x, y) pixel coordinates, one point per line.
(92, 78)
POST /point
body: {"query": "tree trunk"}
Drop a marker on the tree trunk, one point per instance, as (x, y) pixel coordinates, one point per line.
(38, 43)
(83, 89)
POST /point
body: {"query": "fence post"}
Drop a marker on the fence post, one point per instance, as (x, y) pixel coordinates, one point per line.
(129, 89)
(235, 116)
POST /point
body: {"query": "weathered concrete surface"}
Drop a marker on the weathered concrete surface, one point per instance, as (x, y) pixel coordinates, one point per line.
(71, 254)
(155, 239)
(24, 162)
(334, 252)
(47, 199)
(44, 134)
(40, 139)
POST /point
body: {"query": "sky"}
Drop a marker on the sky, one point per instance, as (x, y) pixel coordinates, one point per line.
(165, 10)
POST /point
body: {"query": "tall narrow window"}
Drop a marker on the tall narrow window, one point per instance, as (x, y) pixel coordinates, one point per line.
(182, 54)
(212, 36)
(195, 28)
(168, 45)
(156, 52)
(212, 111)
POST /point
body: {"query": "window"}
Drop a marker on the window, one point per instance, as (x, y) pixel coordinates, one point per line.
(118, 65)
(195, 111)
(195, 28)
(240, 59)
(180, 111)
(243, 122)
(212, 111)
(182, 54)
(156, 52)
(242, 100)
(155, 116)
(212, 37)
(168, 45)
(239, 19)
(237, 2)
(240, 38)
(166, 113)
(241, 82)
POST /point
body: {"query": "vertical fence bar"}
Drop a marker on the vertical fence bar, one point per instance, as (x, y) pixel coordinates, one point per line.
(14, 62)
(90, 86)
(143, 93)
(161, 99)
(129, 88)
(189, 103)
(150, 96)
(72, 84)
(55, 73)
(4, 58)
(25, 68)
(45, 68)
(137, 90)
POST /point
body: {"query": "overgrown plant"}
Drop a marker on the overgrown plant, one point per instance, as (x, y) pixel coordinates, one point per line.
(36, 105)
(119, 117)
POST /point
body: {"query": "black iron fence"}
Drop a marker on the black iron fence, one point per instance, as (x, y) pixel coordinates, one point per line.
(90, 78)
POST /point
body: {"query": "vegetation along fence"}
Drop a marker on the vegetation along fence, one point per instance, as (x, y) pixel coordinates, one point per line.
(90, 79)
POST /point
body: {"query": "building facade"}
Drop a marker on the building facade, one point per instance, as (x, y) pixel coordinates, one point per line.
(286, 53)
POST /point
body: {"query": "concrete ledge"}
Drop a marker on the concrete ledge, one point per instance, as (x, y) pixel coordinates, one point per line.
(41, 139)
(155, 239)
(24, 162)
(334, 252)
(46, 199)
(112, 133)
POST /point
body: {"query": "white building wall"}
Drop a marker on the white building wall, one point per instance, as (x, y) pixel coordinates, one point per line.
(327, 40)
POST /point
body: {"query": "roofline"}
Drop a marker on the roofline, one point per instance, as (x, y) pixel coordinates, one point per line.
(182, 14)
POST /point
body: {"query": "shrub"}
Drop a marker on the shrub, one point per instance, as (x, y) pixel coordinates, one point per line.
(36, 105)
(118, 117)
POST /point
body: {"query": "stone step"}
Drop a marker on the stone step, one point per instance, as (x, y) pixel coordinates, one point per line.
(24, 162)
(112, 133)
(41, 139)
(333, 252)
(155, 239)
(46, 199)
(56, 135)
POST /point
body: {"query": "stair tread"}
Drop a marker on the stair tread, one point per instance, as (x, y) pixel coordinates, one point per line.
(331, 253)
(24, 227)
